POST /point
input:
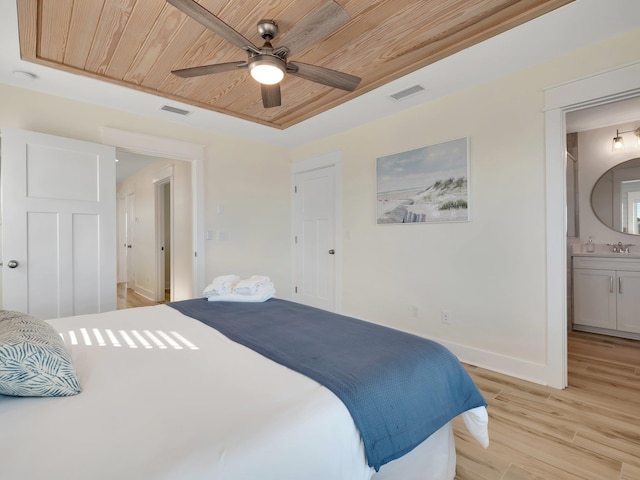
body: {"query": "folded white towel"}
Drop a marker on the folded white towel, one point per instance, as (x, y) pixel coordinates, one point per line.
(221, 285)
(251, 285)
(262, 295)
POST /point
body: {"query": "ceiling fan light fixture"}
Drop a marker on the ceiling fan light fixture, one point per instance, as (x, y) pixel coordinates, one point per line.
(267, 69)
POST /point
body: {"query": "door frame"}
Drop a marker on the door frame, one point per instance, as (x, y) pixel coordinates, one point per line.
(163, 147)
(162, 178)
(599, 89)
(130, 235)
(121, 234)
(317, 162)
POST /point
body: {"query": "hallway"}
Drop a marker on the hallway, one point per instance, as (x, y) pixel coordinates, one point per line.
(127, 298)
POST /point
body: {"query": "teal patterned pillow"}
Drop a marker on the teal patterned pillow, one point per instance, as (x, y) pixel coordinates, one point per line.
(34, 361)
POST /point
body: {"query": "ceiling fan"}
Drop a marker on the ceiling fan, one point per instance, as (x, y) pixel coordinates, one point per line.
(268, 65)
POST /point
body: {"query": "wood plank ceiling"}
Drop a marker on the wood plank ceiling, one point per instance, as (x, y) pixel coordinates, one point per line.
(136, 43)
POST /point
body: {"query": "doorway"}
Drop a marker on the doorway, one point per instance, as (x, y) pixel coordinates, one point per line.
(146, 239)
(158, 247)
(598, 89)
(192, 255)
(606, 176)
(164, 235)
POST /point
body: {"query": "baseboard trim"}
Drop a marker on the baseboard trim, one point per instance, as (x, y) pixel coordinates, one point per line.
(607, 331)
(514, 367)
(143, 292)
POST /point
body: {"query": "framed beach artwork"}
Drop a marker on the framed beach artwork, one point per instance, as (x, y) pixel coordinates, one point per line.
(425, 185)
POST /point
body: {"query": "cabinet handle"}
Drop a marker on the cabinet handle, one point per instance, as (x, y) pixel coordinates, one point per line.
(610, 284)
(619, 284)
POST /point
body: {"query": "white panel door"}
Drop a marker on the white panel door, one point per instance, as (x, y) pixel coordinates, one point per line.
(314, 244)
(59, 225)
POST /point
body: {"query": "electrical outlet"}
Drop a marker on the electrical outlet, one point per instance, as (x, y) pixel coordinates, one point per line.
(445, 317)
(415, 311)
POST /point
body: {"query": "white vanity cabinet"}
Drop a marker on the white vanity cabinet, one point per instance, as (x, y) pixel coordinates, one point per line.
(606, 294)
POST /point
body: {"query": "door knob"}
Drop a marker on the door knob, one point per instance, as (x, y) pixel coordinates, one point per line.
(332, 251)
(12, 264)
(128, 246)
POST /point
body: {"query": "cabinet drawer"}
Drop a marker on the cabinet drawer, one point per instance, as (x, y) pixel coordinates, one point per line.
(607, 263)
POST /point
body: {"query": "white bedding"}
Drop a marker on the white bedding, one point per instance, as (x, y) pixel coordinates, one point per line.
(186, 403)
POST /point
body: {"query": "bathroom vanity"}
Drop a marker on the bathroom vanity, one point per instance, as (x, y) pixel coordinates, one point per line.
(606, 293)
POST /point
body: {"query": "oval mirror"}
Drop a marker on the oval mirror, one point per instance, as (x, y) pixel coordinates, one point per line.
(615, 198)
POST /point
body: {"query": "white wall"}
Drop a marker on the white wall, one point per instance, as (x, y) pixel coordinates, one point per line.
(489, 273)
(595, 157)
(247, 210)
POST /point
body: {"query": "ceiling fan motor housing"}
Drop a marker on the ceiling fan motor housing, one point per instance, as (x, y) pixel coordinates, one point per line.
(267, 29)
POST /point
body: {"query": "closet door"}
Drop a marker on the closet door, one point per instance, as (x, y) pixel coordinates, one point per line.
(314, 238)
(59, 224)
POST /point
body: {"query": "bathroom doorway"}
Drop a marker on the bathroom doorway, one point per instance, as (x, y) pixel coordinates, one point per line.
(599, 89)
(590, 155)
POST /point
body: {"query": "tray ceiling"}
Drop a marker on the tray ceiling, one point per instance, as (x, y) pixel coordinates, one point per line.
(136, 43)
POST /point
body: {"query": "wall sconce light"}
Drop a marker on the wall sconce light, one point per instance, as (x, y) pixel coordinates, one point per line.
(618, 141)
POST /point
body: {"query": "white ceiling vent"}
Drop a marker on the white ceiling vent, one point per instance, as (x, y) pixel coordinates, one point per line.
(407, 92)
(178, 111)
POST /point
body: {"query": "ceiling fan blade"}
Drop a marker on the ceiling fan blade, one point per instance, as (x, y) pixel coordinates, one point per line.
(320, 23)
(213, 23)
(209, 69)
(271, 95)
(325, 76)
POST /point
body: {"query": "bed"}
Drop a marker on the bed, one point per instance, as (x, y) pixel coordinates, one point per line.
(167, 396)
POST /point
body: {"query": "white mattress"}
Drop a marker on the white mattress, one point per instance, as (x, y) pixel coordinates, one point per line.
(184, 402)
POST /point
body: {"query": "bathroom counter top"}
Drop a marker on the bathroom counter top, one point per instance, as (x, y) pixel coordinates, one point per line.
(607, 255)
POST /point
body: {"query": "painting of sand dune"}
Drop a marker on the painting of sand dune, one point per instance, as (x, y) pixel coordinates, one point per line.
(425, 185)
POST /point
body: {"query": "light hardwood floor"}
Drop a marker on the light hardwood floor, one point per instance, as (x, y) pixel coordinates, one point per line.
(127, 298)
(589, 431)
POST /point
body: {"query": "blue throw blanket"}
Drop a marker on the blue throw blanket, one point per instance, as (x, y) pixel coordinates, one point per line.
(398, 387)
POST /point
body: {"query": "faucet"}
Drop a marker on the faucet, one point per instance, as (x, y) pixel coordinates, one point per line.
(620, 247)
